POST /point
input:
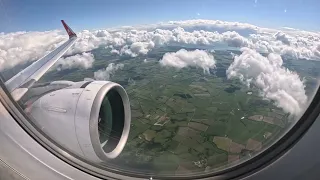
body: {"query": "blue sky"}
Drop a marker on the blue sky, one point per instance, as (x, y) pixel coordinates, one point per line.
(39, 15)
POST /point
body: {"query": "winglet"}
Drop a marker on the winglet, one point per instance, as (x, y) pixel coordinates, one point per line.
(69, 30)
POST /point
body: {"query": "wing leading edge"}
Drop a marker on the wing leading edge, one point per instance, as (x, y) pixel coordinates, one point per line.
(19, 84)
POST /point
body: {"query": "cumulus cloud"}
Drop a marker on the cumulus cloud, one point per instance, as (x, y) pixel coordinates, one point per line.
(137, 41)
(280, 36)
(114, 51)
(233, 39)
(21, 47)
(136, 48)
(316, 50)
(104, 74)
(211, 25)
(28, 46)
(141, 47)
(83, 60)
(89, 40)
(276, 83)
(184, 58)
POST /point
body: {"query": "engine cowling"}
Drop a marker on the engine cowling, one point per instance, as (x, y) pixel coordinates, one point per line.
(91, 119)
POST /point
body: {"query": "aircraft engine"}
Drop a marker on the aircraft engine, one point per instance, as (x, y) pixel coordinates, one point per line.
(91, 119)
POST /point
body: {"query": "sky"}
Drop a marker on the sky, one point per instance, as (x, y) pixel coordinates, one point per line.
(41, 15)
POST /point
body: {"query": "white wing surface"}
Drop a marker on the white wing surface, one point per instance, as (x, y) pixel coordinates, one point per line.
(19, 84)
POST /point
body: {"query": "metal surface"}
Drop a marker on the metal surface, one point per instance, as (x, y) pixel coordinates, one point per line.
(54, 114)
(23, 155)
(77, 84)
(32, 142)
(94, 121)
(6, 172)
(38, 68)
(19, 84)
(70, 117)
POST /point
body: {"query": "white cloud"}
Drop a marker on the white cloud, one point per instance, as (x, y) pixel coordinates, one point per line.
(114, 51)
(83, 60)
(136, 48)
(125, 50)
(211, 25)
(280, 36)
(233, 39)
(316, 50)
(276, 83)
(104, 74)
(141, 47)
(88, 41)
(21, 47)
(184, 58)
(103, 33)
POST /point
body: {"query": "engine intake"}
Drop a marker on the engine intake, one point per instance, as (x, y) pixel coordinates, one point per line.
(92, 121)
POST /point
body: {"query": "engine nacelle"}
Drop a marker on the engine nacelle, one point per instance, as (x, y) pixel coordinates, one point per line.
(91, 119)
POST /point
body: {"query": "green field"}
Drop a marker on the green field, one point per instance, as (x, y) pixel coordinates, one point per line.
(176, 114)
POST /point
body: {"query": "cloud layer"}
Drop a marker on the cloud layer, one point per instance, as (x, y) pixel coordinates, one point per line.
(104, 74)
(275, 82)
(184, 58)
(20, 47)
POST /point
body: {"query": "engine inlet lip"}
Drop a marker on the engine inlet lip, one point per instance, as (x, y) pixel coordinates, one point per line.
(94, 117)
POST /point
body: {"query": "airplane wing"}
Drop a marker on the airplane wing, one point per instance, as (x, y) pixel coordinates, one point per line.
(19, 84)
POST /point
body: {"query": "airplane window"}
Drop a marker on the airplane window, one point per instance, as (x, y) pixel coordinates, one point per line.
(161, 88)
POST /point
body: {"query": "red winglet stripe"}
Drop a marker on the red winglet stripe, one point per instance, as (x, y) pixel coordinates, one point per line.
(68, 29)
